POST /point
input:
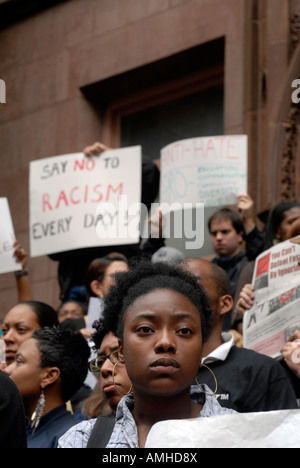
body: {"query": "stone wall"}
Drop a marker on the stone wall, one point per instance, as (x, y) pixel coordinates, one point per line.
(48, 57)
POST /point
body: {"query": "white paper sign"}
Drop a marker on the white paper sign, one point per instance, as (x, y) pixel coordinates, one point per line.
(209, 170)
(7, 238)
(274, 429)
(78, 201)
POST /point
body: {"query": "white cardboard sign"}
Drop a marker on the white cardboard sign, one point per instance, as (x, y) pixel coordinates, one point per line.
(75, 200)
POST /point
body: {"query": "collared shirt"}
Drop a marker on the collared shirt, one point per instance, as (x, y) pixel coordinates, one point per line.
(125, 433)
(247, 381)
(220, 353)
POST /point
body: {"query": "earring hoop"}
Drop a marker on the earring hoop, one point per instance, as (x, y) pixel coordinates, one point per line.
(113, 377)
(215, 379)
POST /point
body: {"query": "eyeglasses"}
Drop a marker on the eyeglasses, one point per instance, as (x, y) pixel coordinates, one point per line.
(96, 364)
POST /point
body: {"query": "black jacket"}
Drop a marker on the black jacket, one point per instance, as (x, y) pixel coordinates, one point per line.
(12, 415)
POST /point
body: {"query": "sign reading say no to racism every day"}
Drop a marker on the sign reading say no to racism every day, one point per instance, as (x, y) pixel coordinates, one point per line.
(209, 170)
(75, 200)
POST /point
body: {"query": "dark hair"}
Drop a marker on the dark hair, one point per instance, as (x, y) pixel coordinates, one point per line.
(231, 215)
(142, 279)
(275, 218)
(46, 315)
(96, 269)
(68, 351)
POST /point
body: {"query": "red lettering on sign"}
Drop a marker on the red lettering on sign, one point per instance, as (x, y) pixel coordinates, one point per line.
(84, 164)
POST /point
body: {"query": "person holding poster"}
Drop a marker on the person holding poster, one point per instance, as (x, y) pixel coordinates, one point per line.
(73, 264)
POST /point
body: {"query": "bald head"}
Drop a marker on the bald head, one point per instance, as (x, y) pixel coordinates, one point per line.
(213, 278)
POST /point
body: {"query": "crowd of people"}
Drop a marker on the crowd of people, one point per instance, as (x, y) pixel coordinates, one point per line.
(167, 343)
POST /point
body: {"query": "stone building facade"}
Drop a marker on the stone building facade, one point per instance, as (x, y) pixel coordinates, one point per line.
(78, 71)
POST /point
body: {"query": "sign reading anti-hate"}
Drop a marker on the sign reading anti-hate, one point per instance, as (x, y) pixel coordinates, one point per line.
(75, 200)
(210, 170)
(7, 238)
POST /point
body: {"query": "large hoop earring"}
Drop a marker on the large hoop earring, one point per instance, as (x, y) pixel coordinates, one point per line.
(113, 377)
(215, 379)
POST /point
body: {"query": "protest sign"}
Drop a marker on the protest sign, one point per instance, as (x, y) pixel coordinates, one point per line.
(209, 170)
(78, 201)
(272, 429)
(275, 315)
(7, 239)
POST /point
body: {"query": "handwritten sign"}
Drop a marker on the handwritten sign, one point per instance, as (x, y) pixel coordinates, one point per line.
(74, 200)
(7, 238)
(209, 170)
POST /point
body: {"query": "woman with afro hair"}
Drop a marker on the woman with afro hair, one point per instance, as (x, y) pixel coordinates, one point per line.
(161, 317)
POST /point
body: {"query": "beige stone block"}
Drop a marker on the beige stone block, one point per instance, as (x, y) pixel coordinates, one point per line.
(82, 127)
